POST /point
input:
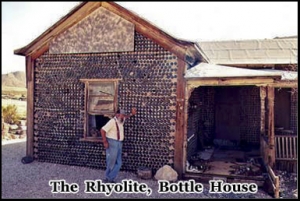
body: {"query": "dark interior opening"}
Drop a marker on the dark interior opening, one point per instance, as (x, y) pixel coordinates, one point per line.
(282, 112)
(223, 130)
(101, 121)
(223, 115)
(96, 122)
(227, 114)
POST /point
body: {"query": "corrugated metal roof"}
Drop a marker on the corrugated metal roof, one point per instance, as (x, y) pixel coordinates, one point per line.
(205, 70)
(285, 75)
(268, 51)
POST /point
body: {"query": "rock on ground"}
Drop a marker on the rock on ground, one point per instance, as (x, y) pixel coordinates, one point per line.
(166, 173)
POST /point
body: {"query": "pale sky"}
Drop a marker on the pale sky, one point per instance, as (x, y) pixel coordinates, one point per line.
(22, 22)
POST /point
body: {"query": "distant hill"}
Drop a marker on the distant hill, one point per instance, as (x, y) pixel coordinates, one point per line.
(14, 79)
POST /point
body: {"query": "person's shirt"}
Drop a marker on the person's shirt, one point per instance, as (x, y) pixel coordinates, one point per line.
(111, 129)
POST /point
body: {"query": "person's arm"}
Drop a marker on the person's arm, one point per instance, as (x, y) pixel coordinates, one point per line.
(133, 112)
(103, 134)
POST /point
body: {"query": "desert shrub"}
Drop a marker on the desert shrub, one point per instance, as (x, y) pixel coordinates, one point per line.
(10, 114)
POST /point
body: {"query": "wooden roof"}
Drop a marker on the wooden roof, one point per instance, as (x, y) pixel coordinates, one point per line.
(185, 50)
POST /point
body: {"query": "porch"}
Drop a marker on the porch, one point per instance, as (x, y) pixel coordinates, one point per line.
(236, 105)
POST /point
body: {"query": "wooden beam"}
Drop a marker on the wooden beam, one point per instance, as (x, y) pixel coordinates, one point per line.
(271, 134)
(229, 81)
(180, 125)
(285, 84)
(30, 104)
(100, 80)
(36, 54)
(260, 65)
(274, 181)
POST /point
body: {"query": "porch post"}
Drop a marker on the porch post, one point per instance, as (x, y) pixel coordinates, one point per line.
(179, 141)
(271, 134)
(263, 94)
(30, 104)
(189, 89)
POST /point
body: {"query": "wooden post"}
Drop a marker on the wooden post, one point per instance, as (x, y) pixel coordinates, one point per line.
(277, 187)
(271, 134)
(263, 95)
(30, 104)
(188, 92)
(179, 136)
(186, 103)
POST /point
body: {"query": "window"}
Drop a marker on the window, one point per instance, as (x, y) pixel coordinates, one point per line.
(100, 106)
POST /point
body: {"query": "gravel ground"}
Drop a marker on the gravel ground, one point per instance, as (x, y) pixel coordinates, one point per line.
(32, 180)
(288, 183)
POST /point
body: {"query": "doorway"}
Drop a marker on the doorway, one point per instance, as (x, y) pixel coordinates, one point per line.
(223, 131)
(227, 114)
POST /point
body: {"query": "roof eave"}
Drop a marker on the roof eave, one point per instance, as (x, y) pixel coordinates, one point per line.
(21, 51)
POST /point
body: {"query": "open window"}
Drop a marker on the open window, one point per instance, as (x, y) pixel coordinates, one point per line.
(100, 106)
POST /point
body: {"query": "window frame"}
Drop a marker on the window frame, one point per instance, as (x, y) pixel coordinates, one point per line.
(87, 104)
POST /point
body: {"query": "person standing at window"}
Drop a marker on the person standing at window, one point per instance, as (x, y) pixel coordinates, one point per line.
(113, 135)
